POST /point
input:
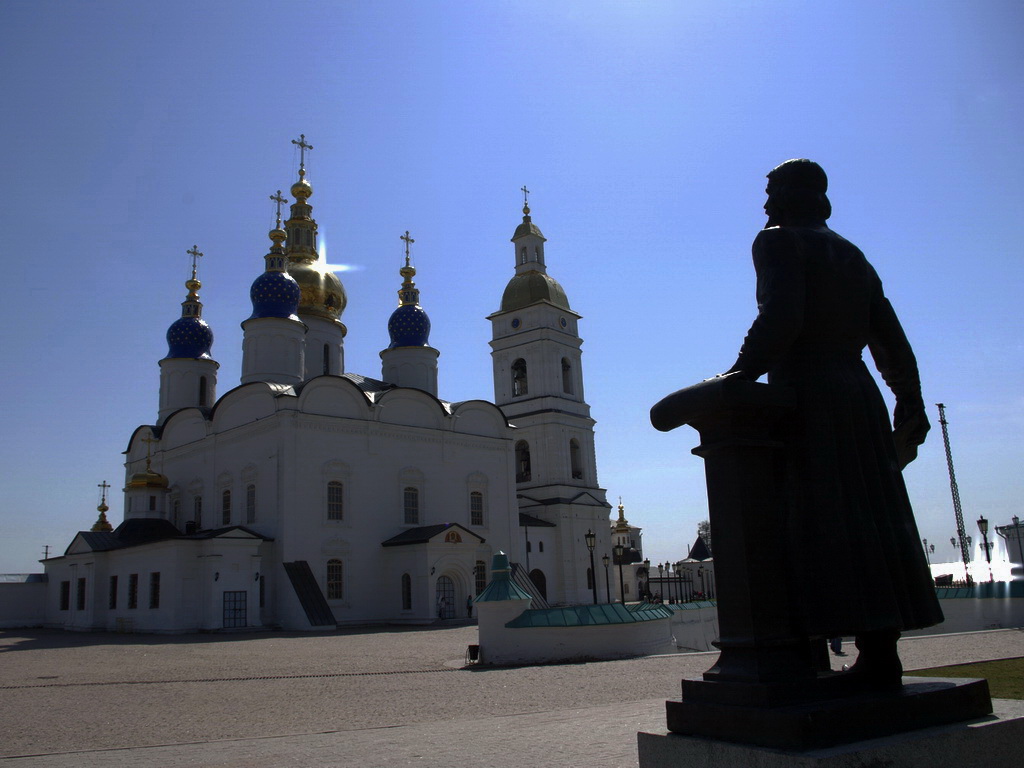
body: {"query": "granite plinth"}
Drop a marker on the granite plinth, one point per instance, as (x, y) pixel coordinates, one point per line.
(921, 702)
(992, 740)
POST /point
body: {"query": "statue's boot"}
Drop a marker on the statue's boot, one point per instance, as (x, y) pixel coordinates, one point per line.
(878, 664)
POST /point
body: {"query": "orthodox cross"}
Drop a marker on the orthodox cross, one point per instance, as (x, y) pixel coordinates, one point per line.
(303, 146)
(149, 441)
(196, 254)
(526, 192)
(280, 201)
(408, 241)
(104, 485)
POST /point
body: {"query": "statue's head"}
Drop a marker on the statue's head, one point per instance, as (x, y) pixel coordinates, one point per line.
(796, 193)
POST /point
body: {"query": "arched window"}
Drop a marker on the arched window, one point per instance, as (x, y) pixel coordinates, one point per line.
(522, 255)
(590, 579)
(225, 507)
(202, 390)
(335, 500)
(411, 503)
(522, 462)
(519, 385)
(476, 508)
(540, 546)
(480, 574)
(327, 358)
(566, 376)
(529, 546)
(197, 511)
(406, 592)
(540, 582)
(335, 580)
(574, 459)
(250, 504)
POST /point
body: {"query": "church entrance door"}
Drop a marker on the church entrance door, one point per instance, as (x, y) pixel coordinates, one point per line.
(445, 597)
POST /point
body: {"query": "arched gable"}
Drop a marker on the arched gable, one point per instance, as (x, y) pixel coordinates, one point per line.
(478, 417)
(411, 408)
(244, 405)
(185, 426)
(334, 396)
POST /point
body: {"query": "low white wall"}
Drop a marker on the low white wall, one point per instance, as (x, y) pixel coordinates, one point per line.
(22, 604)
(694, 625)
(971, 614)
(538, 645)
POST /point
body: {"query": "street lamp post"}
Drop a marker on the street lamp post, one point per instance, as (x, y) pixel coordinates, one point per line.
(647, 579)
(607, 587)
(926, 557)
(661, 583)
(983, 527)
(618, 549)
(1020, 547)
(591, 538)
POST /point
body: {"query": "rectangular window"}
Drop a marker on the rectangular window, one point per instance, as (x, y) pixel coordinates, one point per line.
(234, 609)
(81, 595)
(480, 572)
(225, 508)
(412, 506)
(112, 598)
(65, 595)
(154, 590)
(250, 504)
(133, 590)
(406, 592)
(476, 508)
(335, 500)
(335, 580)
(152, 503)
(197, 512)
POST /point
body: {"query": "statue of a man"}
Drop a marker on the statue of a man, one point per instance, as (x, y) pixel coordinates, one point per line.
(854, 562)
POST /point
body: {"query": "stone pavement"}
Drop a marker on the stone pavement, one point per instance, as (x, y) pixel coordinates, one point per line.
(379, 697)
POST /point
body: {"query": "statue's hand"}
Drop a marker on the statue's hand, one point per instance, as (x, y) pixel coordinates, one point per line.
(910, 427)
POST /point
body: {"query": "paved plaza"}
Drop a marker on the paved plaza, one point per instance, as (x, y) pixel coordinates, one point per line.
(368, 697)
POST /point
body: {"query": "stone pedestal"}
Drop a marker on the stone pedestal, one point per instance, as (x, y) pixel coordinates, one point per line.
(994, 740)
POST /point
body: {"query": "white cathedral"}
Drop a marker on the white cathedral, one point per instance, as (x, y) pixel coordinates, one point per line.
(311, 497)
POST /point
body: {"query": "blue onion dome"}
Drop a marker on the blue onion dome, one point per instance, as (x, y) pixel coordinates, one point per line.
(275, 293)
(409, 326)
(189, 336)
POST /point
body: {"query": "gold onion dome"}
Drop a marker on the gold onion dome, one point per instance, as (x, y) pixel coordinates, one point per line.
(321, 292)
(148, 479)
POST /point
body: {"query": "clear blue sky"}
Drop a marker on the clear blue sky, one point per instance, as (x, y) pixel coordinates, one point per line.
(132, 131)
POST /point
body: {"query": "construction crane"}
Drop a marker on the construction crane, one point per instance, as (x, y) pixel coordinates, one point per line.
(960, 532)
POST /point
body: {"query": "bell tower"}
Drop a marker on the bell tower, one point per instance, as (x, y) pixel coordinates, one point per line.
(538, 384)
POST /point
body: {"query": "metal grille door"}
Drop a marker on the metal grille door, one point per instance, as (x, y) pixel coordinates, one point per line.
(445, 598)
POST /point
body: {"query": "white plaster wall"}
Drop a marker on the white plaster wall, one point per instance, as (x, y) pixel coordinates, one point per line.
(968, 614)
(22, 604)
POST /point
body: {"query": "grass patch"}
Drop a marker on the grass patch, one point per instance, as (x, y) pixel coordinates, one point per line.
(1005, 676)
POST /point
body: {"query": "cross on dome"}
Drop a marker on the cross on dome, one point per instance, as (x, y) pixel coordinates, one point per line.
(303, 146)
(196, 254)
(408, 241)
(280, 201)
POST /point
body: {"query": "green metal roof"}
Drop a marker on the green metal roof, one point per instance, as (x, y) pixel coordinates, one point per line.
(590, 615)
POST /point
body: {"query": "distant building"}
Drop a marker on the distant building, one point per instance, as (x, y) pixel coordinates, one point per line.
(309, 496)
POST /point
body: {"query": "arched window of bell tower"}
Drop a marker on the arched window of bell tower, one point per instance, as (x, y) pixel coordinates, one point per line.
(523, 473)
(522, 255)
(574, 459)
(566, 376)
(327, 358)
(519, 383)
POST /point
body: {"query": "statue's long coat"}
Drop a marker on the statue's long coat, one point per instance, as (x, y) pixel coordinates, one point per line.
(854, 560)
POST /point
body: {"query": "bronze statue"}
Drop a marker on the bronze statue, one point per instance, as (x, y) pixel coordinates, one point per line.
(854, 560)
